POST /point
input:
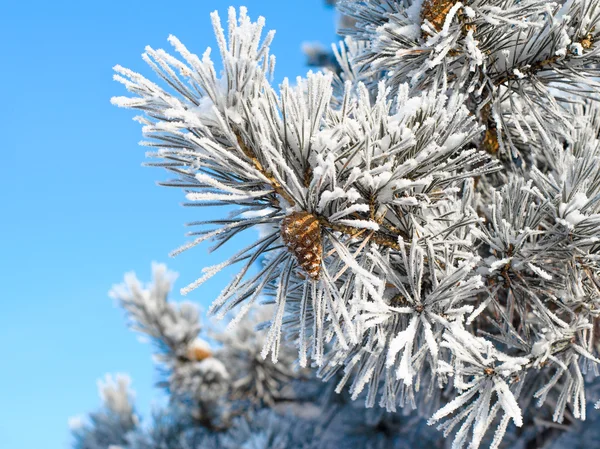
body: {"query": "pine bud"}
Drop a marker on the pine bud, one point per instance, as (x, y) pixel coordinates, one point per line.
(301, 232)
(490, 142)
(198, 350)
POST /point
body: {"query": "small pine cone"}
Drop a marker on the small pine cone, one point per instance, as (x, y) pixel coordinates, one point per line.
(435, 11)
(301, 232)
(198, 350)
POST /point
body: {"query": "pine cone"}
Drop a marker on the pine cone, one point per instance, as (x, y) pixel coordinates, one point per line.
(435, 11)
(301, 233)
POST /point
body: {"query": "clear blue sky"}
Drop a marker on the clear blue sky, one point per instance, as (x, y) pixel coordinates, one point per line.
(78, 210)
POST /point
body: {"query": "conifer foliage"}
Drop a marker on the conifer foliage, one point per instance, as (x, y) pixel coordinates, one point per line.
(429, 220)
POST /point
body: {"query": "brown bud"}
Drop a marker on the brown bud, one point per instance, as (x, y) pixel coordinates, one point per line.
(198, 350)
(490, 141)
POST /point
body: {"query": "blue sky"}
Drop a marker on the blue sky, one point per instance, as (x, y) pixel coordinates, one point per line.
(78, 210)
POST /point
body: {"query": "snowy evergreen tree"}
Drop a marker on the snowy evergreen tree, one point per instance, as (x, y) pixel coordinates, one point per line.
(428, 245)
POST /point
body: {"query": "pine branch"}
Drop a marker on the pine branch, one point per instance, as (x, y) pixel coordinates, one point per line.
(388, 241)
